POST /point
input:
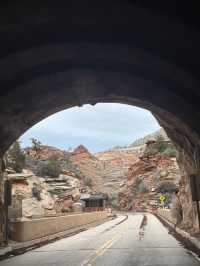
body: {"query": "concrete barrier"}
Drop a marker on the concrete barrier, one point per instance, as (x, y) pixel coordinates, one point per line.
(166, 213)
(37, 228)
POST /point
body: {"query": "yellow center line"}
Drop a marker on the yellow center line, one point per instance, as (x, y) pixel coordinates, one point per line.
(102, 249)
(91, 256)
(99, 252)
(103, 246)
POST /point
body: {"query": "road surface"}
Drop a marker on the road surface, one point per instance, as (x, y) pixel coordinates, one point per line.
(138, 240)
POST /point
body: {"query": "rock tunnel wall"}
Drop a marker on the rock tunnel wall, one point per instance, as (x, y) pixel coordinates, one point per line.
(53, 57)
(190, 217)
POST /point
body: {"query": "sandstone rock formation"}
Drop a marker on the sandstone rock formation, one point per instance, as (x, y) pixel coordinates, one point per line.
(139, 192)
(116, 163)
(114, 172)
(102, 172)
(35, 197)
(150, 170)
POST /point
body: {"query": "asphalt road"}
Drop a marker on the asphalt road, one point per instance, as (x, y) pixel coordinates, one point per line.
(139, 240)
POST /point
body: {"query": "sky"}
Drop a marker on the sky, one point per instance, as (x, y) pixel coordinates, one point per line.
(99, 127)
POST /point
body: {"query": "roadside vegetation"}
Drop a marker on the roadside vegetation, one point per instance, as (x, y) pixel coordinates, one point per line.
(16, 157)
(166, 187)
(161, 146)
(50, 168)
(139, 186)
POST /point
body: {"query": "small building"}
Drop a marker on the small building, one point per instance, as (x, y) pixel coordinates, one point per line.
(94, 202)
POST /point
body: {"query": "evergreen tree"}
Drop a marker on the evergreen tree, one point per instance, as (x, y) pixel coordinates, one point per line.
(16, 157)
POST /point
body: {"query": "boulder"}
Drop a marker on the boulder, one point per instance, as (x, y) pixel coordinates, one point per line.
(32, 208)
(76, 195)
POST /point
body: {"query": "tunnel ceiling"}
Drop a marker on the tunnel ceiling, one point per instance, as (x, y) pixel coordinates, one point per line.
(57, 56)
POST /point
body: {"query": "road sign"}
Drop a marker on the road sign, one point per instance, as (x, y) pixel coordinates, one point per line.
(162, 198)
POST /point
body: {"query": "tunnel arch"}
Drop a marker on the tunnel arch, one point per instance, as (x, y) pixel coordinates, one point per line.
(53, 57)
(49, 93)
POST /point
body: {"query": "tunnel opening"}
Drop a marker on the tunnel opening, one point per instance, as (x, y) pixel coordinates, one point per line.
(55, 57)
(136, 194)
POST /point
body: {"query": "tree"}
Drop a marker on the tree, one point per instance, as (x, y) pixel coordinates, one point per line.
(16, 157)
(36, 146)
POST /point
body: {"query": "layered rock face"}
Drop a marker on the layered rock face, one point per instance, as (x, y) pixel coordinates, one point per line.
(88, 166)
(106, 171)
(36, 196)
(115, 164)
(139, 191)
(151, 170)
(113, 172)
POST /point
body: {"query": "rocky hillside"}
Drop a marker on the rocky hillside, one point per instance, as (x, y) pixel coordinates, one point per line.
(114, 171)
(155, 172)
(140, 191)
(133, 176)
(115, 164)
(102, 172)
(153, 136)
(89, 167)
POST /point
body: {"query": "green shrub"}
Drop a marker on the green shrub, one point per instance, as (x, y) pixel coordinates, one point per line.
(136, 185)
(31, 163)
(151, 150)
(139, 186)
(160, 146)
(143, 188)
(16, 157)
(71, 166)
(157, 176)
(166, 187)
(171, 152)
(51, 168)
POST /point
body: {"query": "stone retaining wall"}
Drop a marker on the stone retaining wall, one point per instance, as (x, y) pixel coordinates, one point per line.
(165, 213)
(37, 228)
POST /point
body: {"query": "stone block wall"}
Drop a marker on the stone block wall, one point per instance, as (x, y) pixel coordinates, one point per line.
(37, 228)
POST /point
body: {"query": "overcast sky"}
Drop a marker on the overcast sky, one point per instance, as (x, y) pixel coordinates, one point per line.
(98, 127)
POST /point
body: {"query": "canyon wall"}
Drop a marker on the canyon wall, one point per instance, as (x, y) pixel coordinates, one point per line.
(129, 175)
